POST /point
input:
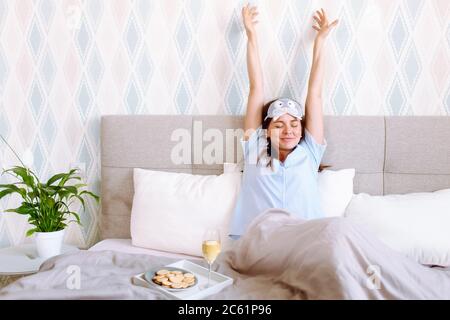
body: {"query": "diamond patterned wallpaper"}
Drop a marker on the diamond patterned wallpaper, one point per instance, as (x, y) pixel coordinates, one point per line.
(64, 63)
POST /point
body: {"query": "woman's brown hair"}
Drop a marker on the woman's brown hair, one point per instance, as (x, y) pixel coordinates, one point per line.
(265, 126)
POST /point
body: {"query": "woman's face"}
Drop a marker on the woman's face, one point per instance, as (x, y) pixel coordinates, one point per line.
(285, 132)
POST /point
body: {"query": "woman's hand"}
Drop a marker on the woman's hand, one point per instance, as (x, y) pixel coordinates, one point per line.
(249, 15)
(323, 27)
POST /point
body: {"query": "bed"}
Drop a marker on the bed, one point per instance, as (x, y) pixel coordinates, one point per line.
(391, 155)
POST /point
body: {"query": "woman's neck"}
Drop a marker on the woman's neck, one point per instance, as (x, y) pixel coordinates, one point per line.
(283, 155)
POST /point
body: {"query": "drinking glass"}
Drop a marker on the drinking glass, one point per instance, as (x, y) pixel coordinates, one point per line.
(210, 248)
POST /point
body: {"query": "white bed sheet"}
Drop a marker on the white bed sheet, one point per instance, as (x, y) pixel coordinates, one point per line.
(124, 245)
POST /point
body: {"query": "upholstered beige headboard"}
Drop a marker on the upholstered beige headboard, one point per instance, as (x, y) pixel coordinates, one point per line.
(390, 154)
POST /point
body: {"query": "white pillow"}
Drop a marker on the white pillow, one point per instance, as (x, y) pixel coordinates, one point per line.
(230, 167)
(171, 211)
(416, 224)
(335, 188)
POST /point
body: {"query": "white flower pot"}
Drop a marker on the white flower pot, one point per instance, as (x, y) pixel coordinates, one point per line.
(48, 244)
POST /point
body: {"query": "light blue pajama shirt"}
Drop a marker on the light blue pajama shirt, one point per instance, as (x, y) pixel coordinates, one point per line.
(292, 185)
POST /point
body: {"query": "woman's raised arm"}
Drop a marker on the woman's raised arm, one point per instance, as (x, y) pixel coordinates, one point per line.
(313, 106)
(256, 94)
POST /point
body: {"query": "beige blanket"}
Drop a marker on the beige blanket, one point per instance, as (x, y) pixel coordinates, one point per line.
(279, 257)
(329, 258)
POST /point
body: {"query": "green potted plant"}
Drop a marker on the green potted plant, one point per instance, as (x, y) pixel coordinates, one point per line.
(47, 204)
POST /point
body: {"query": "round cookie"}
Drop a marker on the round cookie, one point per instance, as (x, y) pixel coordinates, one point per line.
(157, 280)
(189, 280)
(176, 279)
(162, 272)
(176, 285)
